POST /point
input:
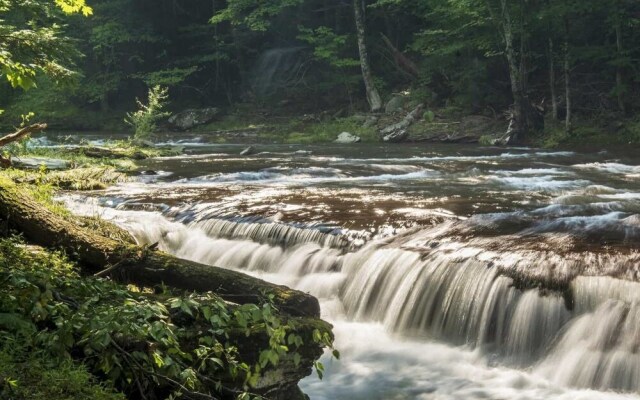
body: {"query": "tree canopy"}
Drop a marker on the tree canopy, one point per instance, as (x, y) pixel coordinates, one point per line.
(483, 56)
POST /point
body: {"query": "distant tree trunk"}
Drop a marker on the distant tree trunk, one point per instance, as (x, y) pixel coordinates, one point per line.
(375, 102)
(552, 82)
(619, 68)
(567, 77)
(519, 125)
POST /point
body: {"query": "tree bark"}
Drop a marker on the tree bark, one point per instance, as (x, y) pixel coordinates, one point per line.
(519, 125)
(138, 265)
(20, 133)
(13, 137)
(373, 97)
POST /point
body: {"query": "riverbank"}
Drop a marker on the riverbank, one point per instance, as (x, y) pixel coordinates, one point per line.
(117, 336)
(245, 124)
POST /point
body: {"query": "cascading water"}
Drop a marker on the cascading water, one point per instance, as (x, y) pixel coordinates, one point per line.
(277, 68)
(537, 296)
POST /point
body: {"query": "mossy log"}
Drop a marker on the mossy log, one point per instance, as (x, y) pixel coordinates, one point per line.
(106, 152)
(132, 264)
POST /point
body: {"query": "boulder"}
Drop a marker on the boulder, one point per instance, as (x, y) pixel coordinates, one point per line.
(248, 151)
(371, 121)
(395, 104)
(189, 119)
(346, 137)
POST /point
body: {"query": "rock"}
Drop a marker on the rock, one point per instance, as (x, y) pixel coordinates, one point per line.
(395, 104)
(370, 121)
(248, 151)
(302, 153)
(346, 137)
(149, 172)
(37, 162)
(396, 136)
(189, 119)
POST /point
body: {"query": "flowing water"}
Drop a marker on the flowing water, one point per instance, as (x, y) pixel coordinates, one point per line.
(449, 272)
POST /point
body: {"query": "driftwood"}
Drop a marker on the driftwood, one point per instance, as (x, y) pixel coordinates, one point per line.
(398, 132)
(141, 266)
(403, 62)
(17, 135)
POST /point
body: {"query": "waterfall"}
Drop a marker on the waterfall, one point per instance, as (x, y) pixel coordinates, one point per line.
(427, 284)
(276, 68)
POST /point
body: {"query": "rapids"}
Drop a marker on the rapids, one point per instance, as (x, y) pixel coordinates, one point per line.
(449, 272)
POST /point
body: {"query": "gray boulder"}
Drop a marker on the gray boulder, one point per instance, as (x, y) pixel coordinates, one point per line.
(371, 121)
(189, 119)
(346, 137)
(395, 104)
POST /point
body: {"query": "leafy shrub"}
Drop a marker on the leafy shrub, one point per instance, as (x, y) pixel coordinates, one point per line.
(144, 120)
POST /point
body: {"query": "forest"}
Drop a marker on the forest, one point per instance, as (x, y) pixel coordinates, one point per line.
(562, 68)
(319, 199)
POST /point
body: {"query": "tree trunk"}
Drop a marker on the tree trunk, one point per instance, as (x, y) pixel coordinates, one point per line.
(519, 125)
(133, 264)
(375, 102)
(552, 82)
(22, 132)
(567, 77)
(13, 137)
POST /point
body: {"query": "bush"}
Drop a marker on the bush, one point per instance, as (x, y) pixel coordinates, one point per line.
(144, 121)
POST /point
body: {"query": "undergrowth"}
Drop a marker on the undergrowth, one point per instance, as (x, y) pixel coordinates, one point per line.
(138, 342)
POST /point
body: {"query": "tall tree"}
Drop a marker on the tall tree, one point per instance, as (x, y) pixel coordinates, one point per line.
(31, 42)
(373, 97)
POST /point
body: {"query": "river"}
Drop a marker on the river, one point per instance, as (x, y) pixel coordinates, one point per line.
(448, 271)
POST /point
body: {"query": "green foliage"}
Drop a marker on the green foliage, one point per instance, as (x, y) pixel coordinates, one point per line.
(141, 343)
(255, 14)
(51, 101)
(32, 42)
(429, 116)
(323, 132)
(328, 46)
(144, 120)
(167, 77)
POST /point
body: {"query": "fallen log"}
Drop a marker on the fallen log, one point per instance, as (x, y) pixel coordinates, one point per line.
(398, 132)
(17, 135)
(105, 152)
(403, 63)
(20, 133)
(141, 266)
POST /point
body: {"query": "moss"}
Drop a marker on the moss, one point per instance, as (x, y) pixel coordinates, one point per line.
(328, 131)
(32, 377)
